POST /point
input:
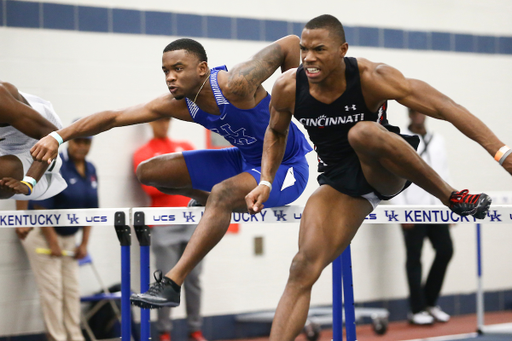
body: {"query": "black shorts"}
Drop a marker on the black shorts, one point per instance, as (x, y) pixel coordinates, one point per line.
(347, 177)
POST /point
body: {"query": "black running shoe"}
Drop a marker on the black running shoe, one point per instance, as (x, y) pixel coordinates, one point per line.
(465, 204)
(163, 293)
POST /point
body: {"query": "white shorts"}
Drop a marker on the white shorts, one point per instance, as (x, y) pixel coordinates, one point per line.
(372, 198)
(50, 184)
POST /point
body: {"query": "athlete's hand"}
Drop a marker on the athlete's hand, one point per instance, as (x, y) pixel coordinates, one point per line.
(256, 198)
(45, 150)
(14, 185)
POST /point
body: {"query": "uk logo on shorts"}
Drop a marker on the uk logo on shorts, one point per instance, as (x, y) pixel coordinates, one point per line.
(235, 137)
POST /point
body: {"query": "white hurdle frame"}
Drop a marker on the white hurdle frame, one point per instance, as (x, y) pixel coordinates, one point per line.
(384, 214)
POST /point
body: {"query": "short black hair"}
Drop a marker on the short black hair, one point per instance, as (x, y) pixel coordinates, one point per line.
(189, 45)
(328, 22)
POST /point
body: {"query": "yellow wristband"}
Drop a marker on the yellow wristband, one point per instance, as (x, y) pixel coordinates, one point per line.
(29, 185)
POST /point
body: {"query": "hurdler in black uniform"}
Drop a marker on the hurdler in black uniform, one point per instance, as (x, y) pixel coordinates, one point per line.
(328, 126)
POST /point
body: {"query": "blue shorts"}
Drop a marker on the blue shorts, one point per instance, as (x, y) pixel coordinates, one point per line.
(211, 166)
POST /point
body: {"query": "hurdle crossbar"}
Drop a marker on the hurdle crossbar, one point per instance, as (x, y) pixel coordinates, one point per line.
(384, 214)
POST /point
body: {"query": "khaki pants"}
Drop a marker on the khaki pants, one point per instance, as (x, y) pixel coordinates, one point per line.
(59, 290)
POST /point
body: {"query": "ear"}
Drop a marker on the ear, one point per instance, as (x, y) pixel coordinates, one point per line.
(203, 68)
(343, 49)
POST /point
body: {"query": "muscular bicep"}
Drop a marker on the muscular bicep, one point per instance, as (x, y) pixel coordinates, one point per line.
(246, 77)
(163, 106)
(279, 120)
(425, 99)
(282, 103)
(385, 83)
(14, 112)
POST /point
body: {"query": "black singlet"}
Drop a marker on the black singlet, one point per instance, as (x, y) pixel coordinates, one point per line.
(328, 126)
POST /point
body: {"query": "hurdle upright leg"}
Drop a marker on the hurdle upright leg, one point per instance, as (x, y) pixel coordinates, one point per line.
(479, 292)
(348, 294)
(337, 301)
(144, 238)
(124, 235)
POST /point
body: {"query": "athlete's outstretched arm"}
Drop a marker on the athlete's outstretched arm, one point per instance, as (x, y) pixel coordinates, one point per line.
(391, 84)
(21, 116)
(245, 78)
(274, 145)
(164, 106)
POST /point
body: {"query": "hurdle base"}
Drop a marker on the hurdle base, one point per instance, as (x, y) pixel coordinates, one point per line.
(323, 316)
(501, 328)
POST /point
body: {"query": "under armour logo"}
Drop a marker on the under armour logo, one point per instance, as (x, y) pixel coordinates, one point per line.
(73, 219)
(348, 107)
(392, 216)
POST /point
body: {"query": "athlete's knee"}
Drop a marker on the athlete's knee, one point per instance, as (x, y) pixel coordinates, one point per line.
(143, 172)
(364, 135)
(11, 166)
(223, 195)
(304, 271)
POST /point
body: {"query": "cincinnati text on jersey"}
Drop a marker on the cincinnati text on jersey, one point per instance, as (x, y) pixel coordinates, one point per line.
(324, 121)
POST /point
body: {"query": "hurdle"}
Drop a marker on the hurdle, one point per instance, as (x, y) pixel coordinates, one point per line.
(342, 273)
(143, 216)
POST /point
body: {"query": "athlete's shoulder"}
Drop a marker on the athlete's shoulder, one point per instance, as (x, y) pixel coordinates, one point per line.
(381, 78)
(366, 67)
(10, 89)
(286, 82)
(283, 92)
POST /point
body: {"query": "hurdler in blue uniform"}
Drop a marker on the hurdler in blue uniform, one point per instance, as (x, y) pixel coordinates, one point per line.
(245, 129)
(232, 103)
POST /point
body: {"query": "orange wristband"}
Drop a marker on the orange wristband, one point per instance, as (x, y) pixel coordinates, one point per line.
(503, 151)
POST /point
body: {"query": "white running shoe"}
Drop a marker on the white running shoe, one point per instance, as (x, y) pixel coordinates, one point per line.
(438, 314)
(421, 318)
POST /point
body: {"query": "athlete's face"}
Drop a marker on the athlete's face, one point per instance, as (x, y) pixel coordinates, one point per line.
(183, 72)
(321, 53)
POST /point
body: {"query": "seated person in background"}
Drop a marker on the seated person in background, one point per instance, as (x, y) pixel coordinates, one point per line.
(53, 252)
(423, 298)
(169, 241)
